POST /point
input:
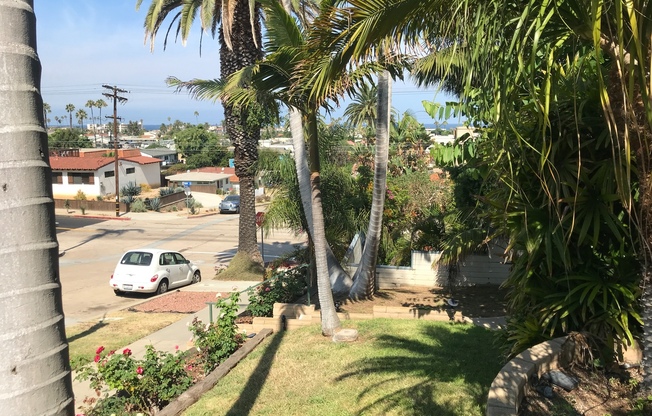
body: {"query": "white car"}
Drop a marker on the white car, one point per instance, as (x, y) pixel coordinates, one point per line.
(152, 271)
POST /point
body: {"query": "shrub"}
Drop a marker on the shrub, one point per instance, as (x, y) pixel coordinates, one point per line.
(165, 191)
(284, 286)
(141, 385)
(144, 187)
(129, 199)
(81, 196)
(155, 204)
(216, 341)
(130, 189)
(193, 205)
(100, 198)
(66, 205)
(138, 205)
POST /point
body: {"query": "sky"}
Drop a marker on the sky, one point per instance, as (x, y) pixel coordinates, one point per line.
(83, 45)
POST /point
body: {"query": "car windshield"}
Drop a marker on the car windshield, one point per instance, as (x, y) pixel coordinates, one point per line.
(137, 258)
(232, 198)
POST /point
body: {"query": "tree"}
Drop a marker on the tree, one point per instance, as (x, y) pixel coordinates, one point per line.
(46, 110)
(36, 371)
(70, 108)
(363, 110)
(91, 104)
(81, 116)
(68, 139)
(100, 104)
(134, 128)
(240, 45)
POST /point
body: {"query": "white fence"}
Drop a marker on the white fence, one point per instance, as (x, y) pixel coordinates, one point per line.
(474, 270)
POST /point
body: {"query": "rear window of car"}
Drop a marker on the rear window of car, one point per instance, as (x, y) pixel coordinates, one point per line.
(137, 258)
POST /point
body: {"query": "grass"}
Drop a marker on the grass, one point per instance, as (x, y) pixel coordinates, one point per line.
(242, 268)
(396, 367)
(114, 331)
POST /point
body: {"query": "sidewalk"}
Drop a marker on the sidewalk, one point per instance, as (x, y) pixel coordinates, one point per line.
(175, 335)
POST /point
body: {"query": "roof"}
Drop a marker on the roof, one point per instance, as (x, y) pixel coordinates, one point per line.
(158, 152)
(94, 163)
(198, 177)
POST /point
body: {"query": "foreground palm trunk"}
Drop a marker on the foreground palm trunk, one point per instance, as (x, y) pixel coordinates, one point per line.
(364, 280)
(35, 373)
(340, 281)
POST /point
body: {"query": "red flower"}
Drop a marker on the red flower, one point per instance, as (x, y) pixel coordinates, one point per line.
(99, 350)
(126, 352)
(97, 358)
(111, 352)
(139, 370)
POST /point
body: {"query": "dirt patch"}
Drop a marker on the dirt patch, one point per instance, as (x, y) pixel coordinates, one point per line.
(180, 302)
(597, 394)
(473, 301)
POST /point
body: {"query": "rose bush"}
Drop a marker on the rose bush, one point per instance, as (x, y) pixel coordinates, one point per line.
(128, 386)
(285, 285)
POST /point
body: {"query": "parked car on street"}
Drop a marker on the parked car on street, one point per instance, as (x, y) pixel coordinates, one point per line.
(152, 271)
(230, 204)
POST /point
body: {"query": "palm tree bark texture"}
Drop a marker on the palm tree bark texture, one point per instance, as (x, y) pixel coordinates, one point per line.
(244, 135)
(35, 372)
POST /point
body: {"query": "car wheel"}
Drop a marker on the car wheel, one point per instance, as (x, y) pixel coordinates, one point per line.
(196, 278)
(237, 210)
(162, 287)
(117, 292)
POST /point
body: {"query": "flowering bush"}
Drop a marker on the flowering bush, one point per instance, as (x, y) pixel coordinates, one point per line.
(141, 385)
(220, 267)
(284, 286)
(216, 341)
(147, 385)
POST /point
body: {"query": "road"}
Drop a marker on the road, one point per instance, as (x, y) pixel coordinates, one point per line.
(90, 248)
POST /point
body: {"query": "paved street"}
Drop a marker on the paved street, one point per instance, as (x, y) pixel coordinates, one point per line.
(90, 248)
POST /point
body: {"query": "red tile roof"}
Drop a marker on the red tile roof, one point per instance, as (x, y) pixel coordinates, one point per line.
(94, 163)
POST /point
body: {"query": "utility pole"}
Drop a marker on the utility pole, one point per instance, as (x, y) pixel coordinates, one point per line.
(114, 95)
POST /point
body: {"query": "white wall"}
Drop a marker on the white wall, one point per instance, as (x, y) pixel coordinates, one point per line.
(65, 190)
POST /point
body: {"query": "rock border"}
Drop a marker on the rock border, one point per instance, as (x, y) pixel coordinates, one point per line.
(512, 382)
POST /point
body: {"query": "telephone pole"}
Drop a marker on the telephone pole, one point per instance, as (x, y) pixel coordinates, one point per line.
(114, 95)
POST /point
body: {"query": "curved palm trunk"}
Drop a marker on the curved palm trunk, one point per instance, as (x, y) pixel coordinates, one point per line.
(330, 322)
(339, 279)
(35, 371)
(364, 280)
(243, 136)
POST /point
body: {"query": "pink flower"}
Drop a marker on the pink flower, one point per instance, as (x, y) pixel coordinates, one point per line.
(139, 370)
(267, 289)
(176, 347)
(99, 350)
(97, 358)
(126, 352)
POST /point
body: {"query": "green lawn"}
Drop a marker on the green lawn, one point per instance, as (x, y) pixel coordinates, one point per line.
(397, 367)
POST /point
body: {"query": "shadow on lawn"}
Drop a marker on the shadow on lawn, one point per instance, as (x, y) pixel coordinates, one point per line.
(254, 385)
(96, 326)
(466, 358)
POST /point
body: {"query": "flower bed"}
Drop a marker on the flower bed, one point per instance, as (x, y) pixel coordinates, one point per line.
(128, 386)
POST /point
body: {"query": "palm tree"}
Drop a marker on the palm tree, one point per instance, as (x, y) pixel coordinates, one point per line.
(90, 104)
(81, 116)
(36, 365)
(197, 116)
(70, 108)
(240, 45)
(100, 104)
(46, 110)
(363, 110)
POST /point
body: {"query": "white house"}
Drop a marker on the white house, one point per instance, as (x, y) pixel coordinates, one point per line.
(93, 172)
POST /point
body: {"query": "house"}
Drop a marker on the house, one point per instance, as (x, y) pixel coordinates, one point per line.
(168, 157)
(92, 171)
(210, 179)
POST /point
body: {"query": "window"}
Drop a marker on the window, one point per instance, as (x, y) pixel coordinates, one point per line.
(109, 174)
(79, 178)
(57, 177)
(131, 170)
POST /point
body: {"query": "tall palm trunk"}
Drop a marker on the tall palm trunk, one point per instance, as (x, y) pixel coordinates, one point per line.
(35, 368)
(364, 280)
(339, 280)
(244, 135)
(330, 322)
